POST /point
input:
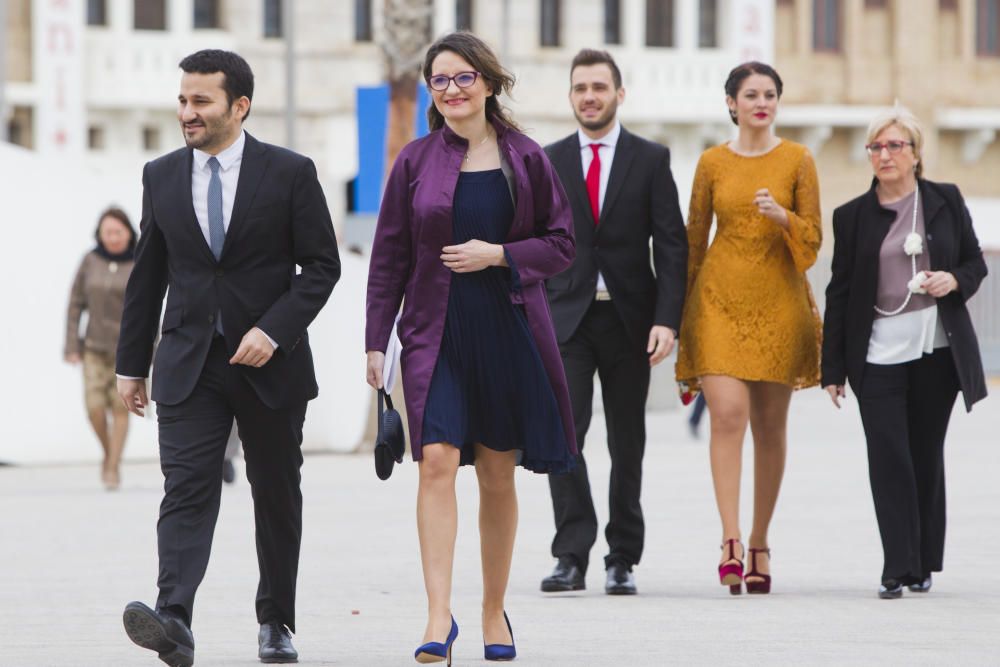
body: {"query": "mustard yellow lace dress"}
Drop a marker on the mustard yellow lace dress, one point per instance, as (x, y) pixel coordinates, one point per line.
(749, 312)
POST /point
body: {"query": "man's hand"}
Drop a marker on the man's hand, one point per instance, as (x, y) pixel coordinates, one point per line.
(836, 392)
(133, 395)
(72, 358)
(474, 255)
(661, 342)
(376, 363)
(254, 350)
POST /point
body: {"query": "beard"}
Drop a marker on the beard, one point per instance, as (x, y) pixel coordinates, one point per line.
(602, 121)
(213, 131)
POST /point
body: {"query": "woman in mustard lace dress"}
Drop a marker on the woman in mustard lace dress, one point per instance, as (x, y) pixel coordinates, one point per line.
(750, 333)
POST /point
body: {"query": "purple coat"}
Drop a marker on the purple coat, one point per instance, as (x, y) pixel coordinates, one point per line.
(415, 223)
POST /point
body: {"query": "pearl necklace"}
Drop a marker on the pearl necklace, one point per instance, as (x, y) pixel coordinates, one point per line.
(913, 261)
(475, 147)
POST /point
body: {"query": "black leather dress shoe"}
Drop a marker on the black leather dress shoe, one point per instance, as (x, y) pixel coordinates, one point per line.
(620, 580)
(276, 644)
(567, 576)
(890, 589)
(923, 587)
(160, 631)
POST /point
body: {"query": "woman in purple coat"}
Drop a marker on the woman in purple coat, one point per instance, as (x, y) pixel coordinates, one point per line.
(473, 220)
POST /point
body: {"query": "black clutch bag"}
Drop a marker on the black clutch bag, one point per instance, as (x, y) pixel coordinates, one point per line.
(390, 443)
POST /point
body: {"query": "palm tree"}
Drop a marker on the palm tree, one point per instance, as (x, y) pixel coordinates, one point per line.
(406, 37)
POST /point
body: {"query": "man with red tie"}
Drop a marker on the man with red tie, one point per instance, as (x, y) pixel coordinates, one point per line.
(612, 314)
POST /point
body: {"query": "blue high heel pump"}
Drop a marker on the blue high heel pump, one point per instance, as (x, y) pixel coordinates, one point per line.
(501, 652)
(436, 651)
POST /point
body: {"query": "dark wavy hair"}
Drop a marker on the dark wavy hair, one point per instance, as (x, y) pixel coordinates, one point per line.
(481, 57)
(740, 73)
(236, 73)
(120, 216)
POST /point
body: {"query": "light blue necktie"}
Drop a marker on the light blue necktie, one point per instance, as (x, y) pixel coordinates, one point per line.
(216, 230)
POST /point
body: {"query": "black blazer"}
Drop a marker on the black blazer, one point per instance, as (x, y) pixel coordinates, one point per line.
(859, 227)
(279, 220)
(640, 203)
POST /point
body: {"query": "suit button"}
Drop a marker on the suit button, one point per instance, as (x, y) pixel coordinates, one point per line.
(219, 273)
(211, 319)
(930, 237)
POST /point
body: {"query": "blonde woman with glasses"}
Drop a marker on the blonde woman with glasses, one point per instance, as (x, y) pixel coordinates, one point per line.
(905, 261)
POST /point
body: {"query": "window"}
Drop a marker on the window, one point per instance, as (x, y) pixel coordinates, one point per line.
(987, 27)
(150, 14)
(550, 23)
(362, 20)
(151, 138)
(612, 22)
(95, 138)
(272, 18)
(708, 31)
(97, 12)
(206, 14)
(826, 25)
(463, 14)
(659, 23)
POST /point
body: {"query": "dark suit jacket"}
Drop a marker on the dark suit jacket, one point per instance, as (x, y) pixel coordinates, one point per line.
(859, 228)
(279, 220)
(640, 203)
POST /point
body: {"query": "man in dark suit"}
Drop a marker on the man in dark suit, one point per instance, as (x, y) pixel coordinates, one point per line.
(612, 314)
(225, 223)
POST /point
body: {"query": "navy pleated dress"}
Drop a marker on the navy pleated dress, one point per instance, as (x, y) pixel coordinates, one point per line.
(489, 384)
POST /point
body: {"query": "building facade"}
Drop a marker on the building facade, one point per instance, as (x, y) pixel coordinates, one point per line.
(96, 80)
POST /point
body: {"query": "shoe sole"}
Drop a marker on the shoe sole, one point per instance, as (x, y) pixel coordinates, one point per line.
(890, 595)
(562, 588)
(145, 630)
(620, 591)
(279, 661)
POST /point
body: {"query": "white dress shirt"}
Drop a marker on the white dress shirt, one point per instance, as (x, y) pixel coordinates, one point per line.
(607, 153)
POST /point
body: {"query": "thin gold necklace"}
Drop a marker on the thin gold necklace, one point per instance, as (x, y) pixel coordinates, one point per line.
(472, 148)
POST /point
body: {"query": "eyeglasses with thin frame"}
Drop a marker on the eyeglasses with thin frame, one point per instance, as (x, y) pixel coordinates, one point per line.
(894, 147)
(440, 82)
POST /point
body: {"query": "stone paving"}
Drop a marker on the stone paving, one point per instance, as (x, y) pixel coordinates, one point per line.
(72, 555)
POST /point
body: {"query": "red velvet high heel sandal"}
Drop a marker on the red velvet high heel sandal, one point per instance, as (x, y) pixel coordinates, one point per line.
(731, 574)
(763, 586)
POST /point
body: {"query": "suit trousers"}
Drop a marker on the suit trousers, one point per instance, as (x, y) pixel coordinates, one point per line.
(905, 410)
(193, 437)
(602, 344)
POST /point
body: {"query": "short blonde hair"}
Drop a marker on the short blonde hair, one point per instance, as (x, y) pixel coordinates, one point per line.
(904, 119)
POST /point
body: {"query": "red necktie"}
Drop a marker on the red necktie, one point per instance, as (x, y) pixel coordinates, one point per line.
(594, 183)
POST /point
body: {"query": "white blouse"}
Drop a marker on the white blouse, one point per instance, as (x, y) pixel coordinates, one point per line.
(905, 337)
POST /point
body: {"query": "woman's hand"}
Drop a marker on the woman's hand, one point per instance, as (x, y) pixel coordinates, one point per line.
(472, 256)
(836, 392)
(376, 362)
(769, 208)
(939, 283)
